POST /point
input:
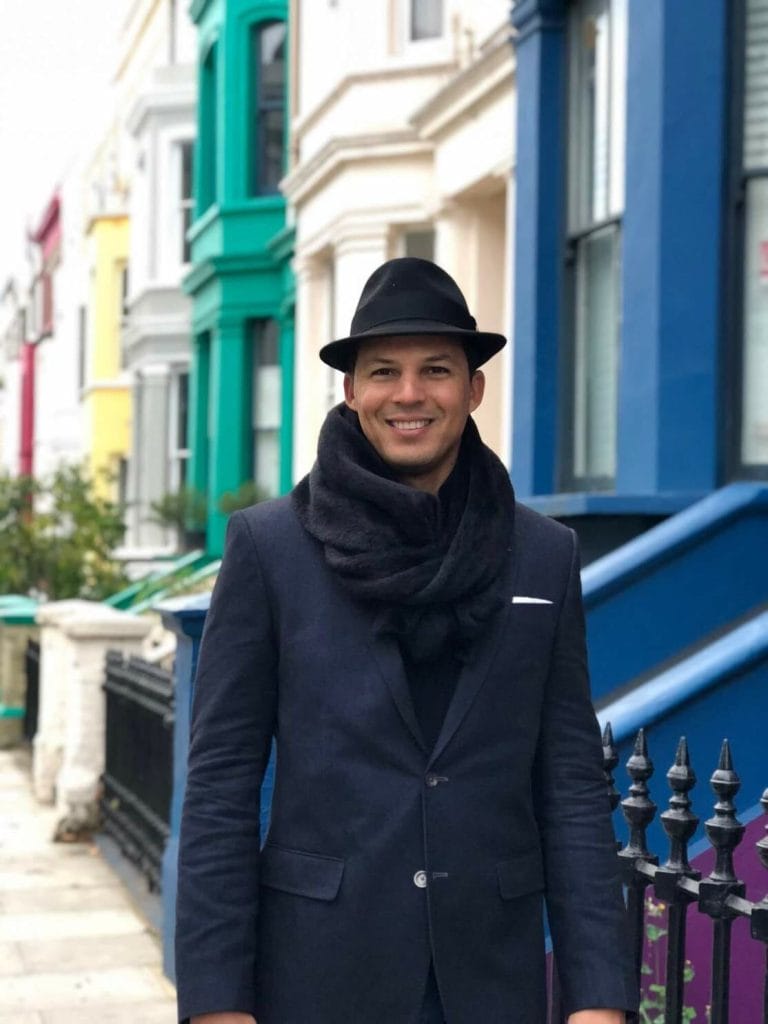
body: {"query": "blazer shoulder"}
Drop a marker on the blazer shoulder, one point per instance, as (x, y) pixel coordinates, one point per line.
(270, 519)
(274, 529)
(534, 531)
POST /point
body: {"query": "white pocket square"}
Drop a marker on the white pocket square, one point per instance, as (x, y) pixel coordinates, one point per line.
(519, 599)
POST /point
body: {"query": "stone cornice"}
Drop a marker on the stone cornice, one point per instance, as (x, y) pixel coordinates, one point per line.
(493, 68)
(383, 73)
(162, 98)
(338, 152)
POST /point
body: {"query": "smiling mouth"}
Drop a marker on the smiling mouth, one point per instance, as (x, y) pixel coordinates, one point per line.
(409, 424)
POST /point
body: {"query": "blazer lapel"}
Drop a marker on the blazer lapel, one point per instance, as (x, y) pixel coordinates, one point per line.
(471, 679)
(386, 653)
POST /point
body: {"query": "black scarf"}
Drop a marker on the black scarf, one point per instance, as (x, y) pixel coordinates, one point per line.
(432, 565)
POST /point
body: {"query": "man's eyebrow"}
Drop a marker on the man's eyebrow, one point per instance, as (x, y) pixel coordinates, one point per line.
(441, 358)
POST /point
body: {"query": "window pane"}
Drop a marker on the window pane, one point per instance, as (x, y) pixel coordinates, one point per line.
(426, 19)
(182, 411)
(267, 143)
(272, 61)
(267, 461)
(272, 136)
(596, 356)
(598, 111)
(267, 405)
(756, 86)
(420, 244)
(754, 437)
(186, 170)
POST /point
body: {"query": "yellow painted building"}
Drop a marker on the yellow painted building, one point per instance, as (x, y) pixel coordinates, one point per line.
(106, 392)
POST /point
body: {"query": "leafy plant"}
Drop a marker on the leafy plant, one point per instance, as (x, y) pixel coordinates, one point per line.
(654, 992)
(57, 536)
(185, 510)
(248, 493)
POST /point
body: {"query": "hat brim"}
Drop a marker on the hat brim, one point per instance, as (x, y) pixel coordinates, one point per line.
(481, 345)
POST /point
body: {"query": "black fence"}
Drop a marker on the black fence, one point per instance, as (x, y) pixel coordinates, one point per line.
(721, 896)
(32, 700)
(138, 776)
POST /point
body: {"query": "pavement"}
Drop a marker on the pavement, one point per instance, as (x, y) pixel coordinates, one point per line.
(73, 950)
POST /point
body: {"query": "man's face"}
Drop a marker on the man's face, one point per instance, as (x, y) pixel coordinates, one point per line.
(413, 395)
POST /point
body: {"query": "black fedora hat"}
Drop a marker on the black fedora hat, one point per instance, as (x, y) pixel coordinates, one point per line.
(412, 296)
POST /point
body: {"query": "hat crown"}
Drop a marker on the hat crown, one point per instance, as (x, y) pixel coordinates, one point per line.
(408, 289)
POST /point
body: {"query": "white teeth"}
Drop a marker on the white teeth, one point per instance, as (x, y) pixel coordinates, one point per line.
(409, 424)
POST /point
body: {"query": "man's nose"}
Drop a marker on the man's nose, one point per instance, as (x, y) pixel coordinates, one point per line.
(410, 389)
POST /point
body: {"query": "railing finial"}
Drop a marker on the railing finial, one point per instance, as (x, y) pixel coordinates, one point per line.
(679, 821)
(724, 830)
(638, 809)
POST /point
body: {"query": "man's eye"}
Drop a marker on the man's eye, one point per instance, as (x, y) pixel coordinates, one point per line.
(438, 371)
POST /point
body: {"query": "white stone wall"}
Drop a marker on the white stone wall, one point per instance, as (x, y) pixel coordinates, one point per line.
(68, 750)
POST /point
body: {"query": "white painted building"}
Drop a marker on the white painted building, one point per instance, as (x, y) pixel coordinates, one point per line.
(55, 326)
(156, 93)
(12, 334)
(402, 143)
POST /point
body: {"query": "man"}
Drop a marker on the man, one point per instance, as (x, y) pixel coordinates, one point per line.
(415, 642)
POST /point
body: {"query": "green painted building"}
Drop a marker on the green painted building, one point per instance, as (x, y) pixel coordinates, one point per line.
(241, 385)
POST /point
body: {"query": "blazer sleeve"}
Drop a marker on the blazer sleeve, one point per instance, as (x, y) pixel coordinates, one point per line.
(585, 906)
(233, 720)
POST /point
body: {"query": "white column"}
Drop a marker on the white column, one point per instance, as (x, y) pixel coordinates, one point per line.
(313, 329)
(88, 636)
(48, 743)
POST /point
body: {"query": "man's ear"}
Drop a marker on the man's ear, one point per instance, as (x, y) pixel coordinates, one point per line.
(349, 391)
(476, 389)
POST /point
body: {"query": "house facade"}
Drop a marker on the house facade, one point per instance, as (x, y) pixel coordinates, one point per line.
(402, 144)
(14, 363)
(241, 381)
(51, 425)
(641, 286)
(105, 395)
(157, 77)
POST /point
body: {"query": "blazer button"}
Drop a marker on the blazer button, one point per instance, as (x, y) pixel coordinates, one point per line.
(420, 879)
(433, 780)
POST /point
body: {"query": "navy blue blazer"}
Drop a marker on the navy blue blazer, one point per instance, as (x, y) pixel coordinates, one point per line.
(380, 853)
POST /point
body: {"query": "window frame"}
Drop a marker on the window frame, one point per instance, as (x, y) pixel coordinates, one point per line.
(257, 327)
(580, 225)
(734, 258)
(178, 456)
(257, 108)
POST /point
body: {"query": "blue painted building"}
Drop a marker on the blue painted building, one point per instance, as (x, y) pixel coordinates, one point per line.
(641, 292)
(640, 412)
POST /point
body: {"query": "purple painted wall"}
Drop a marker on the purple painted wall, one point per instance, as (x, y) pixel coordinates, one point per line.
(748, 956)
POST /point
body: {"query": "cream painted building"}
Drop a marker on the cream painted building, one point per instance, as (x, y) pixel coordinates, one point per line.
(402, 143)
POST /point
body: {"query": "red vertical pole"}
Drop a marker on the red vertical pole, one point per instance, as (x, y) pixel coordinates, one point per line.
(27, 447)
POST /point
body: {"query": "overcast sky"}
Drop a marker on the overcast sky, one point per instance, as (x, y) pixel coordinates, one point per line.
(56, 64)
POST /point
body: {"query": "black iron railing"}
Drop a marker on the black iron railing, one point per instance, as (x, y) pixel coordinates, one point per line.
(32, 699)
(676, 884)
(138, 775)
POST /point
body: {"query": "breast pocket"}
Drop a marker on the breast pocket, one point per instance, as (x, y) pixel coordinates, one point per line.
(301, 873)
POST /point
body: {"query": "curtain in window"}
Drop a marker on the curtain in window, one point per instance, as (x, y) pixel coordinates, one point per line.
(754, 428)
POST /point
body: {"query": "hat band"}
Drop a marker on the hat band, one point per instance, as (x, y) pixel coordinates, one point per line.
(411, 306)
